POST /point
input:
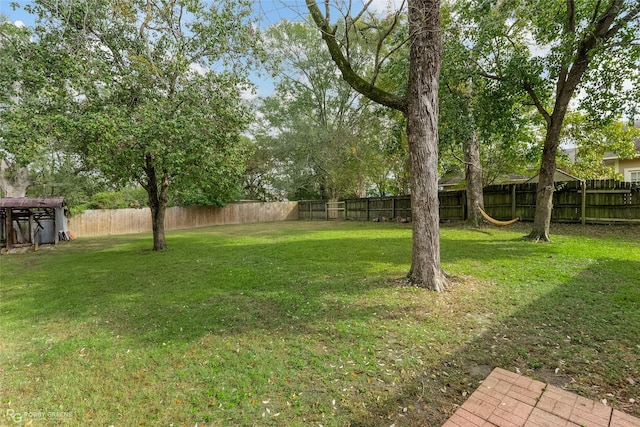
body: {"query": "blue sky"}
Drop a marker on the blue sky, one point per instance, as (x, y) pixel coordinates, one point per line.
(18, 14)
(268, 11)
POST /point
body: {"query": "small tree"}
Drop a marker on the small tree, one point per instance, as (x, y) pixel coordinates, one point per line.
(148, 105)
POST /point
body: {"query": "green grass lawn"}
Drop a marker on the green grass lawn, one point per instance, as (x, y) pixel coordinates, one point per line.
(306, 323)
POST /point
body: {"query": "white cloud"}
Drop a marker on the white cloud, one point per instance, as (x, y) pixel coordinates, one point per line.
(19, 24)
(385, 6)
(248, 94)
(198, 69)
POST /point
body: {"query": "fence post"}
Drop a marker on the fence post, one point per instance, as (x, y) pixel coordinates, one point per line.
(367, 209)
(513, 200)
(583, 213)
(463, 202)
(8, 228)
(393, 207)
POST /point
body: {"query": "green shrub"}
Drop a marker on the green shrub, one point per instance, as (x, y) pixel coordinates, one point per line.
(135, 197)
(108, 200)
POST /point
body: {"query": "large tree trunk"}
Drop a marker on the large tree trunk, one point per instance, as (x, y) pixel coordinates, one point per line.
(14, 180)
(544, 192)
(473, 178)
(157, 192)
(422, 133)
(421, 107)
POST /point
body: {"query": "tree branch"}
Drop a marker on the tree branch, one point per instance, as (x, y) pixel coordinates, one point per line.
(603, 31)
(491, 76)
(571, 16)
(348, 74)
(570, 31)
(362, 12)
(595, 12)
(387, 33)
(547, 117)
(387, 56)
(632, 15)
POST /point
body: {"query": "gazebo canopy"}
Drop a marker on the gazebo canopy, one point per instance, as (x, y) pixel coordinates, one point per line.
(31, 202)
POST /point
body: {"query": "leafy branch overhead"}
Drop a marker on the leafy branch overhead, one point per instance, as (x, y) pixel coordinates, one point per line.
(342, 58)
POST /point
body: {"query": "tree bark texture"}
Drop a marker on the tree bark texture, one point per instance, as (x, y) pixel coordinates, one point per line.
(422, 133)
(157, 192)
(14, 180)
(540, 232)
(473, 178)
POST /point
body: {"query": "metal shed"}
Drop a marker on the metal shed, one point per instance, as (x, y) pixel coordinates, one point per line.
(26, 221)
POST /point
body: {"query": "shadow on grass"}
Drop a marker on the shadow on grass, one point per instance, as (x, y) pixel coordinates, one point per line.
(316, 288)
(191, 290)
(582, 336)
(221, 286)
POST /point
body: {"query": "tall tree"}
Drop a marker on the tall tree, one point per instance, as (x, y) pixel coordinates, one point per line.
(457, 122)
(418, 100)
(310, 120)
(149, 107)
(30, 90)
(458, 128)
(483, 127)
(324, 138)
(36, 157)
(551, 51)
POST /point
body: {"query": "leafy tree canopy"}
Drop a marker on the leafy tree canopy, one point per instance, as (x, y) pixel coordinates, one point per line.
(591, 141)
(149, 92)
(324, 139)
(585, 51)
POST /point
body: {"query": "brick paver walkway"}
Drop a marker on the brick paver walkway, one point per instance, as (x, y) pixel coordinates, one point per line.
(507, 399)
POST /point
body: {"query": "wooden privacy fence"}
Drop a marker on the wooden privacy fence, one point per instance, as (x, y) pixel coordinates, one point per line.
(125, 221)
(603, 202)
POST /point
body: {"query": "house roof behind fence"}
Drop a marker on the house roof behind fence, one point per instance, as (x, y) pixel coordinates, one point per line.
(559, 176)
(31, 202)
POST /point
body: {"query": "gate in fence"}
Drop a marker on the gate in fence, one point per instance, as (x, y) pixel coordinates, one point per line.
(336, 210)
